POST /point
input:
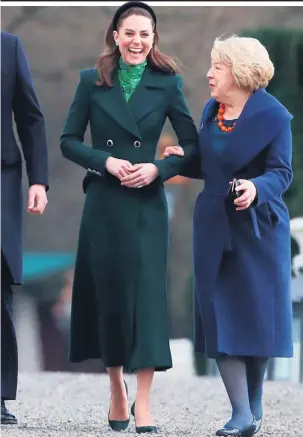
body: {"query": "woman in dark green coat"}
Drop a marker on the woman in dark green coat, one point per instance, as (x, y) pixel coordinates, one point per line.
(119, 305)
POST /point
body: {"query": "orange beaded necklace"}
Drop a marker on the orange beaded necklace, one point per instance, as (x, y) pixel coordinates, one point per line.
(220, 118)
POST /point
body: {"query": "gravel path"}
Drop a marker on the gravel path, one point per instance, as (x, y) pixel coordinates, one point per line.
(76, 405)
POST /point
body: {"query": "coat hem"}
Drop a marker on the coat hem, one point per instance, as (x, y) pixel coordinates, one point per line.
(159, 367)
(215, 355)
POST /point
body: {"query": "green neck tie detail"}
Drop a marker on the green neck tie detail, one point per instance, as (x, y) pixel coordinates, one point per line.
(130, 76)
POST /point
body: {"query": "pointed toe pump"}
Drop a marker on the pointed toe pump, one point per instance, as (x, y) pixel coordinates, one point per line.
(143, 429)
(119, 425)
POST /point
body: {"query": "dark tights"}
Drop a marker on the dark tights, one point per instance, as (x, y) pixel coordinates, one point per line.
(243, 379)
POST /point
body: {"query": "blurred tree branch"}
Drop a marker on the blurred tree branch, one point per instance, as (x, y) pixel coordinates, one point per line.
(27, 13)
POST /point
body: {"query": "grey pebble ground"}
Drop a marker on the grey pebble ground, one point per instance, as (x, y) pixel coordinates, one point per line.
(70, 405)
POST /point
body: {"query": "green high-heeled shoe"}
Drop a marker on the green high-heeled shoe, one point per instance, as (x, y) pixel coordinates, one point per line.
(119, 425)
(142, 429)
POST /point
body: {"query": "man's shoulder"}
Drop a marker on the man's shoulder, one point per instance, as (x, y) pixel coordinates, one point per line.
(9, 41)
(9, 37)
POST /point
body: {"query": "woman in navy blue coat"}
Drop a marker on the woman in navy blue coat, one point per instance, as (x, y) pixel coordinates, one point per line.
(242, 258)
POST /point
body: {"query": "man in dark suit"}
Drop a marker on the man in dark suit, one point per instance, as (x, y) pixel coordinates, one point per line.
(18, 98)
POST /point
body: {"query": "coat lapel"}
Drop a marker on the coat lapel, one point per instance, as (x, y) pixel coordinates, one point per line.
(255, 129)
(205, 138)
(146, 97)
(112, 101)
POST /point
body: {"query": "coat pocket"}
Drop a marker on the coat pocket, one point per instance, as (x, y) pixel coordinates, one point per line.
(272, 214)
(267, 214)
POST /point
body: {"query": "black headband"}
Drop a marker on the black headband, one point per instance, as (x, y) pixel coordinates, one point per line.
(129, 5)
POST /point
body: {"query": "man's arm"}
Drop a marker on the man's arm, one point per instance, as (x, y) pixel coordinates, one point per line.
(29, 121)
(31, 131)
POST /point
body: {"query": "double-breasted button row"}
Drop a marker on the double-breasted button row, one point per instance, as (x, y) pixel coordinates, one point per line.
(94, 172)
(110, 143)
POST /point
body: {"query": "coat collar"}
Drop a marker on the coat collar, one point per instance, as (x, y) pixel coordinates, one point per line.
(260, 101)
(146, 97)
(262, 118)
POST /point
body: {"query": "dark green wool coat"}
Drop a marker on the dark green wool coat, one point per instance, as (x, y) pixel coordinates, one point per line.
(119, 304)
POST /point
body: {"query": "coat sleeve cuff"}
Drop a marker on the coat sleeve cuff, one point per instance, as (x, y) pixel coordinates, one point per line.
(258, 199)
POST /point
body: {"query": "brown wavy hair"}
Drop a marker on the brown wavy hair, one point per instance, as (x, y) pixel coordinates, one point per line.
(108, 61)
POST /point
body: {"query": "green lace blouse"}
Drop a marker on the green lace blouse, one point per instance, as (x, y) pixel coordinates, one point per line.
(130, 76)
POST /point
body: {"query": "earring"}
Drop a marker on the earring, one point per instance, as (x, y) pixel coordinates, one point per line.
(117, 43)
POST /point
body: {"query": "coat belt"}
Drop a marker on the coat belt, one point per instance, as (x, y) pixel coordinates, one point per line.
(228, 241)
(225, 220)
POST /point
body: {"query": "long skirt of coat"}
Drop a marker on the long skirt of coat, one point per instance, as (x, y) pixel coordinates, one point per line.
(242, 296)
(119, 303)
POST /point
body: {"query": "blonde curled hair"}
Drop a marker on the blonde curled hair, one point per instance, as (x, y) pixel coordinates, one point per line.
(249, 60)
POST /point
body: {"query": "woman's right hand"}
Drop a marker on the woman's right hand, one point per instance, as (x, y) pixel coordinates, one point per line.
(118, 167)
(173, 150)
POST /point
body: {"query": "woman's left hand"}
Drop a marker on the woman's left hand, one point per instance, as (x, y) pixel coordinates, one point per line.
(173, 150)
(140, 176)
(248, 196)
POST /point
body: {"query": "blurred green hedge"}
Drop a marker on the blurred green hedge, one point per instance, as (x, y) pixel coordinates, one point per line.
(285, 47)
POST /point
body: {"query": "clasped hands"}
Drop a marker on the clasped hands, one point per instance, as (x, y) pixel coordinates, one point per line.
(248, 187)
(132, 176)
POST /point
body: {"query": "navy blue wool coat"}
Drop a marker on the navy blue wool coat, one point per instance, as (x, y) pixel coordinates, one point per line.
(18, 99)
(242, 259)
